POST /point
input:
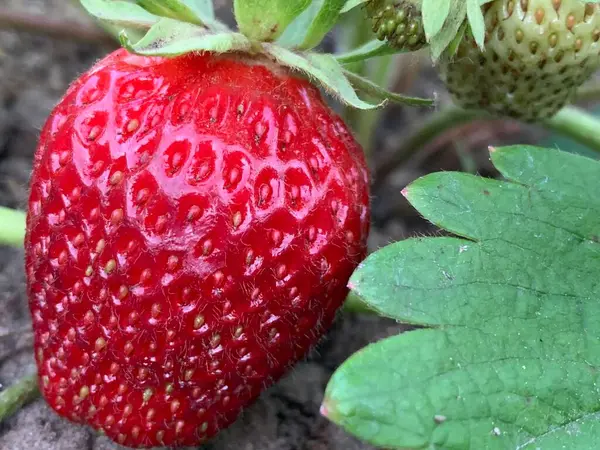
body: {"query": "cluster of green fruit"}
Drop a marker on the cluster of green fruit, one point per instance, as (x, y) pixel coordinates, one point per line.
(399, 23)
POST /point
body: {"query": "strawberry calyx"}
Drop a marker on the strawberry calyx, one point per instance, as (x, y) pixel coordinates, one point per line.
(284, 31)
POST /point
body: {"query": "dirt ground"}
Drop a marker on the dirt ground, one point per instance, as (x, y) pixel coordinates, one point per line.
(34, 72)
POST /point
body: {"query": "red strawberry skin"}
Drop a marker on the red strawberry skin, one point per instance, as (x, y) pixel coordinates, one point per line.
(192, 226)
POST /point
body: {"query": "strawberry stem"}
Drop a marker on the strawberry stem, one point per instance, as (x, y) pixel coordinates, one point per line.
(355, 32)
(436, 125)
(571, 121)
(12, 230)
(18, 395)
(366, 123)
(577, 124)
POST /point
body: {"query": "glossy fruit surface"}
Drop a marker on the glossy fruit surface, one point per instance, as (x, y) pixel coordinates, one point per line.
(537, 54)
(192, 226)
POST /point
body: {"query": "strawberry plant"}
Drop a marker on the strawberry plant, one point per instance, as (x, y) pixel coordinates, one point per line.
(195, 212)
(198, 214)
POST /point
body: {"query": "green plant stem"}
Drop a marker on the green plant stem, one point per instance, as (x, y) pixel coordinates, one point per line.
(18, 395)
(577, 124)
(571, 121)
(365, 122)
(355, 32)
(12, 227)
(436, 125)
(373, 88)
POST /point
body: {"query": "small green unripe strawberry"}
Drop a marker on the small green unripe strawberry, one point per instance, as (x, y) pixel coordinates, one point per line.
(537, 53)
(399, 22)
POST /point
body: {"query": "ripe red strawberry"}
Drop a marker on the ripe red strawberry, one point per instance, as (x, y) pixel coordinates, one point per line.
(192, 225)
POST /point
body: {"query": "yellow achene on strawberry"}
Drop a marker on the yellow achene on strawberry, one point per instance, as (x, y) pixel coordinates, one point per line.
(537, 53)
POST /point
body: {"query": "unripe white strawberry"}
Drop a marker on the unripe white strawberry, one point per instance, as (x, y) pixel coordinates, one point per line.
(537, 53)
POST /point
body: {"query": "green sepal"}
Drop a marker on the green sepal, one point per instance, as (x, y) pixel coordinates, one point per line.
(434, 13)
(476, 21)
(120, 13)
(198, 12)
(183, 29)
(266, 20)
(452, 48)
(440, 41)
(171, 37)
(325, 70)
(174, 9)
(445, 22)
(121, 16)
(371, 49)
(204, 8)
(194, 11)
(374, 90)
(309, 28)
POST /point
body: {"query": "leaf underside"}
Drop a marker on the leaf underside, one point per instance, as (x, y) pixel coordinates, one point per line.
(170, 37)
(510, 358)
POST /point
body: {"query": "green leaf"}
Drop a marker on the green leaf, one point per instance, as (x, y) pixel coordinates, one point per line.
(175, 9)
(580, 434)
(309, 28)
(511, 358)
(452, 48)
(323, 22)
(203, 8)
(120, 13)
(324, 69)
(170, 37)
(266, 20)
(476, 21)
(197, 12)
(371, 49)
(434, 14)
